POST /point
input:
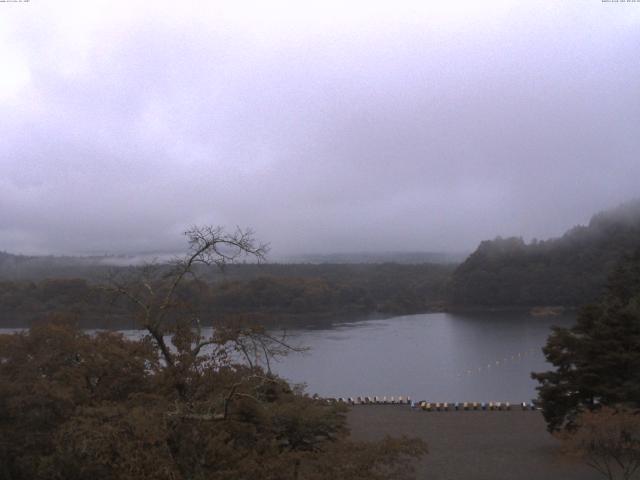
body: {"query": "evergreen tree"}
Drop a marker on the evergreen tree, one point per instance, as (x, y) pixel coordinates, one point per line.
(597, 361)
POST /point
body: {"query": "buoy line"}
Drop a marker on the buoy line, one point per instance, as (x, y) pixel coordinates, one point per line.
(495, 364)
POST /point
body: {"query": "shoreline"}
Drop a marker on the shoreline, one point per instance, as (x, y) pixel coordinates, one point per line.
(288, 320)
(478, 445)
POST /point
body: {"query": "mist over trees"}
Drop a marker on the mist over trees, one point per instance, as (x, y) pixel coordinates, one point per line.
(570, 270)
(179, 402)
(34, 268)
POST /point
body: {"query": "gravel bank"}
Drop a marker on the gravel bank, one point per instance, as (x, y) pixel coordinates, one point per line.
(509, 445)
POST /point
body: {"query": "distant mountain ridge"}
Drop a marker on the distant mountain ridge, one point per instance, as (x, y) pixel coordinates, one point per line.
(570, 270)
(94, 267)
(379, 257)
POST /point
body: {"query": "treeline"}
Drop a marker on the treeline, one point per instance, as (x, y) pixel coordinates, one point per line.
(273, 293)
(385, 288)
(96, 268)
(25, 267)
(570, 270)
(24, 302)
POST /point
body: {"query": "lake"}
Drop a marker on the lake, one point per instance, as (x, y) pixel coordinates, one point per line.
(436, 356)
(439, 357)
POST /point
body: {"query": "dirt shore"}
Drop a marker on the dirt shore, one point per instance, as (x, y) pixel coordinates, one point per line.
(490, 445)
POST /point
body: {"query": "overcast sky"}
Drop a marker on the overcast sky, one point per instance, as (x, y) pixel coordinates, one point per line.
(333, 126)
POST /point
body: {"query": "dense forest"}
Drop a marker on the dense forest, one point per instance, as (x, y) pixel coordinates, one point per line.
(270, 293)
(569, 271)
(505, 272)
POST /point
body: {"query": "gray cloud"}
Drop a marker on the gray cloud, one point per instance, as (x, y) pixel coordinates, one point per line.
(374, 127)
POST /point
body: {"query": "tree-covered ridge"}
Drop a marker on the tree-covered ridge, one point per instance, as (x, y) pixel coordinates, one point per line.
(274, 292)
(570, 270)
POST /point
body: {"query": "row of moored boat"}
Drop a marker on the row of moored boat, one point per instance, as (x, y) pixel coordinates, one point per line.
(435, 406)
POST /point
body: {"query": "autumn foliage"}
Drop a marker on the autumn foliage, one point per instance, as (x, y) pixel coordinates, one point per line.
(78, 406)
(608, 440)
(174, 403)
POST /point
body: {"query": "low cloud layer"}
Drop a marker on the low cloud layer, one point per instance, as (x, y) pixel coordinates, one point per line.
(377, 126)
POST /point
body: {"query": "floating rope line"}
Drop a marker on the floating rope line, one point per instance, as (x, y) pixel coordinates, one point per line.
(509, 359)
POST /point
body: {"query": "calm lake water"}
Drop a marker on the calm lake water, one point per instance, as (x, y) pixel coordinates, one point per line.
(440, 357)
(436, 357)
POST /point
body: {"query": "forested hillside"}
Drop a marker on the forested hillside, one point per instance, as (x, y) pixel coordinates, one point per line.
(274, 293)
(570, 270)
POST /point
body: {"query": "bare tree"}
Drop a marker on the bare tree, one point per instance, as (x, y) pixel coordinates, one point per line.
(608, 440)
(181, 393)
(176, 326)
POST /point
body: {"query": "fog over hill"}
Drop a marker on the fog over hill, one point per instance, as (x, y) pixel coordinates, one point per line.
(376, 257)
(191, 190)
(569, 270)
(325, 126)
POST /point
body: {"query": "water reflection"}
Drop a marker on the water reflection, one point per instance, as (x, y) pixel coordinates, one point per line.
(440, 357)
